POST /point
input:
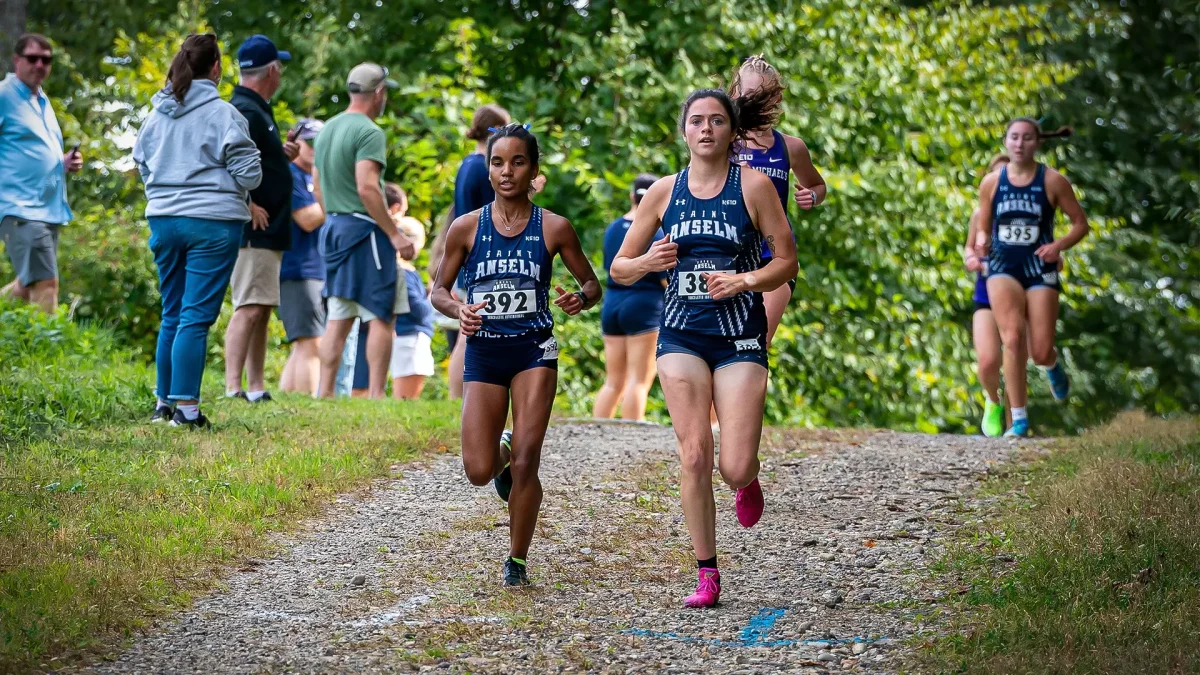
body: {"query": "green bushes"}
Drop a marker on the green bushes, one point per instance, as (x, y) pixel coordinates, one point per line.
(57, 374)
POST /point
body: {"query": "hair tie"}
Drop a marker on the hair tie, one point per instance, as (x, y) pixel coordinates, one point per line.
(492, 130)
(526, 127)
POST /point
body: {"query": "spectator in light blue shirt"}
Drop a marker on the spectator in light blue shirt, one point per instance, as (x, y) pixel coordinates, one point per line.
(33, 168)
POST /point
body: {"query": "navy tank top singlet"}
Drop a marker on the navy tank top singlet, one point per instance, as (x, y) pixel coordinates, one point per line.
(1022, 221)
(776, 164)
(714, 235)
(512, 276)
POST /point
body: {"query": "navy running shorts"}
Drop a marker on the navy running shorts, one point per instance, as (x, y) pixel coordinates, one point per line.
(499, 360)
(630, 312)
(717, 351)
(1049, 279)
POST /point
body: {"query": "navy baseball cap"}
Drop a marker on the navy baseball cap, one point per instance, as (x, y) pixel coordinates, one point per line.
(258, 51)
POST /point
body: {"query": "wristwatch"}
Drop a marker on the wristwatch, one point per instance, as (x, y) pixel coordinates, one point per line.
(582, 297)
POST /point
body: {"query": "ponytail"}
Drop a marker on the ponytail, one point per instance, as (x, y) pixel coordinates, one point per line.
(195, 59)
(1061, 132)
(747, 113)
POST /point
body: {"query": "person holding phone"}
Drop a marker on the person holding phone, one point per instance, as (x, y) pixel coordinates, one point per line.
(33, 168)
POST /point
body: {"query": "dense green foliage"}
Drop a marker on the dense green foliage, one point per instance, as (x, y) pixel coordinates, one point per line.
(901, 106)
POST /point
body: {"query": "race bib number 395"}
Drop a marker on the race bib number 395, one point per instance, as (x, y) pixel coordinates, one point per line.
(692, 286)
(505, 298)
(1018, 233)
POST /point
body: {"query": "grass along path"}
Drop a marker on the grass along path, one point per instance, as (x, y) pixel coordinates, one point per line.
(407, 576)
(104, 529)
(1089, 560)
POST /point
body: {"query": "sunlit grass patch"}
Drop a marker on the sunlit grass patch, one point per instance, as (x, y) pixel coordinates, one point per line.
(1092, 563)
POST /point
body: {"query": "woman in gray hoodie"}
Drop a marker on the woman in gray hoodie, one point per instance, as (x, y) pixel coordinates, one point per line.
(198, 163)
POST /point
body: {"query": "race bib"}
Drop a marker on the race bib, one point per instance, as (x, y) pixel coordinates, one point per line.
(692, 287)
(506, 298)
(1018, 233)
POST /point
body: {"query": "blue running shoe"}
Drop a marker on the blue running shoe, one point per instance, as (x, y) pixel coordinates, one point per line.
(1060, 386)
(1019, 428)
(503, 482)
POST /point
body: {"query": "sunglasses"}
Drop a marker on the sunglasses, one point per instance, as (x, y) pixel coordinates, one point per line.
(34, 58)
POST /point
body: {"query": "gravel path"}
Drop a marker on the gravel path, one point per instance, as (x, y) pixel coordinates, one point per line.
(406, 577)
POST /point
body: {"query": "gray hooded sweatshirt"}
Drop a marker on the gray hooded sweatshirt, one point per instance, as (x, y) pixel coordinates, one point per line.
(196, 158)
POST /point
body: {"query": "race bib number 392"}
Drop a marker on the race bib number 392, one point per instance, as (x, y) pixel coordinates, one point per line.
(1018, 233)
(506, 298)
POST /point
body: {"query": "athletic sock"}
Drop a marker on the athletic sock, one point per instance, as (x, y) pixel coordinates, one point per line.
(1018, 414)
(990, 399)
(710, 563)
(254, 395)
(231, 393)
(190, 412)
(163, 404)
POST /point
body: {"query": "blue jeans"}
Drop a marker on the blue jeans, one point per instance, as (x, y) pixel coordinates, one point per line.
(353, 371)
(195, 258)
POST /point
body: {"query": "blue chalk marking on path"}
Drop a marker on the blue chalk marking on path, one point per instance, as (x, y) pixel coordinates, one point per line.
(753, 635)
(760, 625)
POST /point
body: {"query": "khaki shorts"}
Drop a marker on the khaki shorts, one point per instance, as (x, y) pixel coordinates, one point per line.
(256, 277)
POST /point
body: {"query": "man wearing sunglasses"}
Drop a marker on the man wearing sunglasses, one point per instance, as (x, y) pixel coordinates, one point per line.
(33, 168)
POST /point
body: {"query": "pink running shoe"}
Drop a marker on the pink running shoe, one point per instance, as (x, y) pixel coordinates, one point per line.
(708, 590)
(749, 504)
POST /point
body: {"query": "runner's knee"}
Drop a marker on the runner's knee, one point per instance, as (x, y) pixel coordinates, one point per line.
(479, 473)
(989, 362)
(696, 457)
(1043, 354)
(739, 475)
(524, 468)
(1012, 336)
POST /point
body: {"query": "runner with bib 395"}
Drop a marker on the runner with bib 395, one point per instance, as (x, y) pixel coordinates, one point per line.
(1016, 233)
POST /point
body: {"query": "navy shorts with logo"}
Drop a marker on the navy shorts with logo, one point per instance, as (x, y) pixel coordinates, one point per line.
(630, 312)
(1049, 279)
(499, 360)
(717, 351)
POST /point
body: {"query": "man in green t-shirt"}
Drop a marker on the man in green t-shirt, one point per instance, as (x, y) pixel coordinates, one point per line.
(360, 242)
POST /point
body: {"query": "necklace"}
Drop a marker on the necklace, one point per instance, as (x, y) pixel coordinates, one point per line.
(508, 227)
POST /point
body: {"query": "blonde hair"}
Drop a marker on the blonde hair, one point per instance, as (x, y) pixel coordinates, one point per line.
(756, 64)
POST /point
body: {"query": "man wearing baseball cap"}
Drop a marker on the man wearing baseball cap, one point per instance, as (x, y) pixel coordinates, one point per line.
(255, 280)
(302, 273)
(359, 240)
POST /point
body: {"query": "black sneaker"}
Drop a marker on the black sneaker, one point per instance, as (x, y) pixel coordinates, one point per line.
(503, 482)
(178, 420)
(238, 394)
(162, 413)
(514, 573)
(264, 398)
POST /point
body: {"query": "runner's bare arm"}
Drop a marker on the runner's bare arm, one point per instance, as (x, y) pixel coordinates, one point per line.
(1062, 195)
(566, 243)
(631, 263)
(767, 213)
(459, 237)
(983, 226)
(807, 176)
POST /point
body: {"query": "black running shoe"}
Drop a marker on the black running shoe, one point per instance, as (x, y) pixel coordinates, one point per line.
(162, 413)
(503, 482)
(264, 398)
(514, 573)
(238, 394)
(178, 420)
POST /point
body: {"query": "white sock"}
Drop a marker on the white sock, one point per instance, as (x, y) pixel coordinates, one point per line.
(190, 412)
(1018, 414)
(991, 399)
(254, 395)
(163, 404)
(230, 393)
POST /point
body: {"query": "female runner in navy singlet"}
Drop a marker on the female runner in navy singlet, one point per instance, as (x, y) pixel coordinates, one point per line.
(505, 252)
(1016, 233)
(712, 340)
(776, 155)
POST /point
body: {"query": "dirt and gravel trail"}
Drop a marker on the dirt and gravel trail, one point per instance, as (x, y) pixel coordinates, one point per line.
(405, 577)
